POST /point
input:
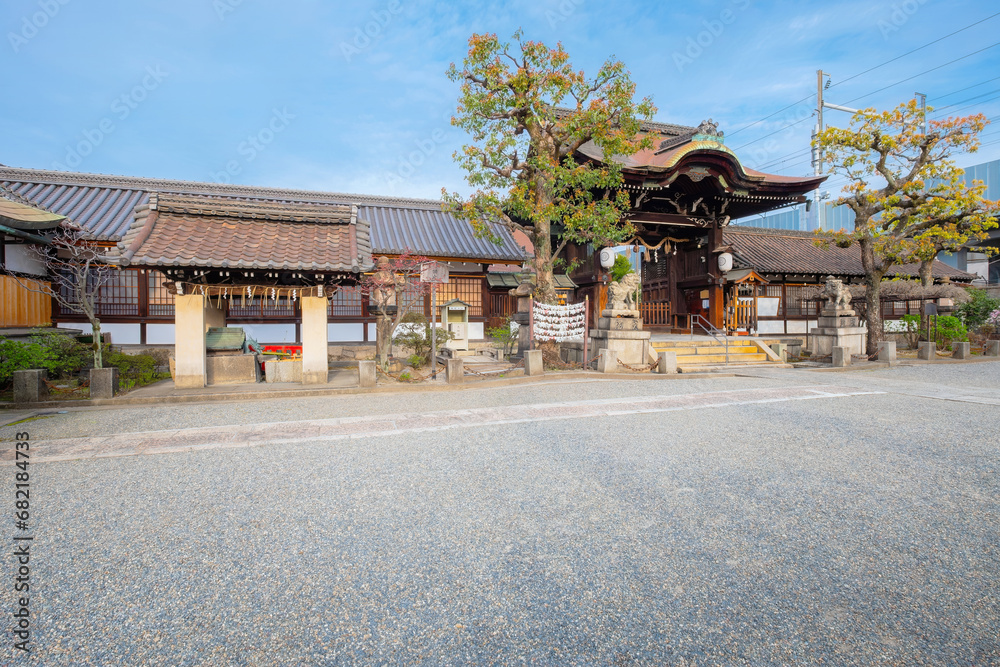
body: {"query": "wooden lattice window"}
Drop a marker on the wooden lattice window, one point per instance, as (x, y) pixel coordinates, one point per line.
(345, 302)
(261, 308)
(161, 301)
(469, 290)
(119, 295)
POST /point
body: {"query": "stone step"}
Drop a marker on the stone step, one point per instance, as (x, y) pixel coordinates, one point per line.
(707, 368)
(700, 359)
(733, 349)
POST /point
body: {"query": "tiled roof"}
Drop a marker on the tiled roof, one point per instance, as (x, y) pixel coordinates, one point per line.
(794, 252)
(111, 206)
(434, 233)
(236, 233)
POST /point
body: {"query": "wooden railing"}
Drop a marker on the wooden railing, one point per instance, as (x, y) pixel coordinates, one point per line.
(655, 313)
(742, 315)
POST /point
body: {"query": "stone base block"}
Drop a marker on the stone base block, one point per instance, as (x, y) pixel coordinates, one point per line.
(29, 386)
(927, 351)
(455, 370)
(103, 382)
(608, 312)
(841, 357)
(533, 363)
(780, 349)
(607, 362)
(824, 339)
(619, 323)
(837, 311)
(666, 362)
(991, 348)
(629, 350)
(887, 351)
(289, 370)
(961, 350)
(232, 369)
(837, 322)
(366, 374)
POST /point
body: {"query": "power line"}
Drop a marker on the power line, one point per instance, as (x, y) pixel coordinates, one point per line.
(955, 104)
(807, 97)
(870, 69)
(968, 87)
(784, 158)
(773, 133)
(954, 111)
(910, 78)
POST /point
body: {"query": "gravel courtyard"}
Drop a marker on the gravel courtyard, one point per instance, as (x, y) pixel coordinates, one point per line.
(855, 529)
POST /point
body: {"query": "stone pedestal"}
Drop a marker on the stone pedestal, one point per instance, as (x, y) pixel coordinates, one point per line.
(666, 362)
(838, 326)
(961, 350)
(366, 374)
(841, 356)
(455, 371)
(927, 351)
(103, 382)
(288, 370)
(887, 351)
(991, 348)
(29, 386)
(620, 333)
(533, 363)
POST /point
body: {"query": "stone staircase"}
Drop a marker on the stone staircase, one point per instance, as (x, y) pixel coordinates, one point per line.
(707, 354)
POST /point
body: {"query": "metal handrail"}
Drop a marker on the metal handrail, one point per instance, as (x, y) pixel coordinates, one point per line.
(709, 329)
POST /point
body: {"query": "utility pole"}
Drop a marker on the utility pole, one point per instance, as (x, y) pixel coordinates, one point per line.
(923, 108)
(818, 151)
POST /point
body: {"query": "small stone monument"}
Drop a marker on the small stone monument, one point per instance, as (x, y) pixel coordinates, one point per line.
(619, 329)
(522, 317)
(838, 323)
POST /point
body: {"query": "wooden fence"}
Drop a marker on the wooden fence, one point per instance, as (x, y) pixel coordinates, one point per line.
(20, 307)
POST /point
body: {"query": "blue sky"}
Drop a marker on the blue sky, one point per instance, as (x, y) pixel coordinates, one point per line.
(353, 97)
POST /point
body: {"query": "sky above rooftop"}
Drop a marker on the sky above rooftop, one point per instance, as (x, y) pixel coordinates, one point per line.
(353, 97)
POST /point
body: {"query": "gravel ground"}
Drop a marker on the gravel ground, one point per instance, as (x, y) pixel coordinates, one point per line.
(850, 531)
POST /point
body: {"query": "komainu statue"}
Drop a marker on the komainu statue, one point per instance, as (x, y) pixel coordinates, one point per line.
(835, 292)
(622, 293)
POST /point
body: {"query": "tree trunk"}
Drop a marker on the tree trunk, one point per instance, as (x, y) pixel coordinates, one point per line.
(95, 326)
(383, 339)
(926, 277)
(873, 306)
(545, 288)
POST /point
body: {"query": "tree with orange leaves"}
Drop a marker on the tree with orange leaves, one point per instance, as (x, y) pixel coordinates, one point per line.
(528, 112)
(904, 190)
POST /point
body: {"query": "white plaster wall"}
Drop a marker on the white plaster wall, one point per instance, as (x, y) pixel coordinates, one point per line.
(799, 326)
(768, 327)
(477, 330)
(372, 333)
(160, 334)
(270, 333)
(345, 333)
(22, 260)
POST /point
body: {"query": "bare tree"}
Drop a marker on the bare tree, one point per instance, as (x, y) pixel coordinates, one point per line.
(393, 291)
(77, 270)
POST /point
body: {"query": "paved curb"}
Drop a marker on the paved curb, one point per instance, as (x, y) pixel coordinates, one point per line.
(342, 391)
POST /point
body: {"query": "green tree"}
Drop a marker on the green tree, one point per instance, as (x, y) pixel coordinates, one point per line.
(528, 112)
(903, 189)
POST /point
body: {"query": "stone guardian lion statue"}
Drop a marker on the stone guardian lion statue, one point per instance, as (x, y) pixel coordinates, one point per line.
(622, 293)
(835, 293)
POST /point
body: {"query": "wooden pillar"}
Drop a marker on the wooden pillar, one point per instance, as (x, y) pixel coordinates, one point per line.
(716, 298)
(315, 368)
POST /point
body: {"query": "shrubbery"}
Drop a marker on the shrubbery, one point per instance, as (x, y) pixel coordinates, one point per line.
(416, 336)
(977, 310)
